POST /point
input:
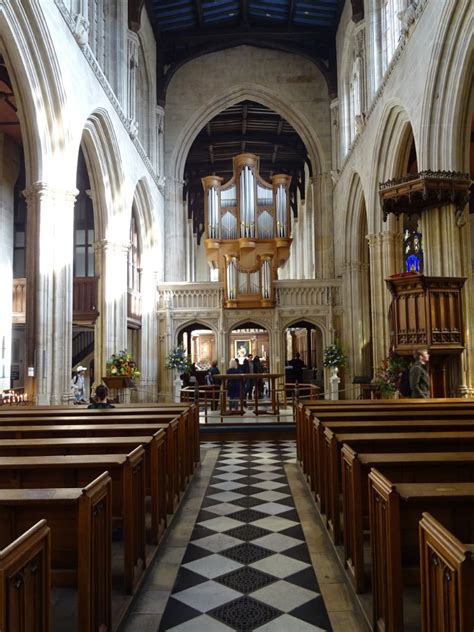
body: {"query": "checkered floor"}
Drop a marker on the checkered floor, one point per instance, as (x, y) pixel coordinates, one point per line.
(247, 566)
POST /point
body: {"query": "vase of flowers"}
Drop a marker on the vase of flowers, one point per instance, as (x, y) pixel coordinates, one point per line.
(122, 370)
(388, 375)
(334, 357)
(179, 361)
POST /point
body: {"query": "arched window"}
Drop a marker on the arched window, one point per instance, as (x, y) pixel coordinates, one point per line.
(83, 224)
(133, 276)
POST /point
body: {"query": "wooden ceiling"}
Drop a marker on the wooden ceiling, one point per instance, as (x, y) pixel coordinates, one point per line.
(185, 29)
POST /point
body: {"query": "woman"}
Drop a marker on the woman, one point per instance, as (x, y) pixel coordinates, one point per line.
(233, 386)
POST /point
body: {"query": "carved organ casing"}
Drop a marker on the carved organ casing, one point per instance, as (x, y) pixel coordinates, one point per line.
(247, 231)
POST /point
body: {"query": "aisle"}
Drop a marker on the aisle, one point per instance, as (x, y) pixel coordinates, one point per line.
(247, 566)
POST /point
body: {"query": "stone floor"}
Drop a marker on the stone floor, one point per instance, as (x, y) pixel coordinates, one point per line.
(246, 551)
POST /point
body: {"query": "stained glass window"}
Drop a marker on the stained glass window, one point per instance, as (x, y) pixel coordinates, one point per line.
(413, 246)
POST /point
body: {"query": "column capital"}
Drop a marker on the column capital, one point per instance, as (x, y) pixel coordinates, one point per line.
(114, 246)
(42, 190)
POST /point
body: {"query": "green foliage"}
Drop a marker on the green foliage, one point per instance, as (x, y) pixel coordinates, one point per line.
(122, 364)
(388, 375)
(178, 359)
(334, 356)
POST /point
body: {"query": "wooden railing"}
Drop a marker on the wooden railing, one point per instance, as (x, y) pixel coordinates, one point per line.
(25, 581)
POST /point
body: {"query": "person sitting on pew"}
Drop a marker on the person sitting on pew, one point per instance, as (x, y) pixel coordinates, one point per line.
(419, 376)
(101, 401)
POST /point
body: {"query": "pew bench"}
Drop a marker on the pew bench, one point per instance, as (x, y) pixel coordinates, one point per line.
(25, 567)
(395, 512)
(80, 544)
(398, 467)
(447, 579)
(428, 441)
(128, 493)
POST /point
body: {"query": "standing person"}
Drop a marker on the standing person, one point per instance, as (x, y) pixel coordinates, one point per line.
(212, 372)
(419, 376)
(233, 386)
(258, 368)
(79, 386)
(101, 401)
(297, 365)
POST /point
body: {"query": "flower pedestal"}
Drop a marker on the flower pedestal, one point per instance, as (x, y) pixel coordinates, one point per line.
(177, 383)
(119, 387)
(334, 381)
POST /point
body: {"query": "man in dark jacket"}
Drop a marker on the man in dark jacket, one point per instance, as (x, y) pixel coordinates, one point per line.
(419, 376)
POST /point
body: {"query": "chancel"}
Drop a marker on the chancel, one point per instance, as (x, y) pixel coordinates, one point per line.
(193, 195)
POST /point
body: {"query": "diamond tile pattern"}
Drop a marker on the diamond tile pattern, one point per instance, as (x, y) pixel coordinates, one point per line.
(247, 565)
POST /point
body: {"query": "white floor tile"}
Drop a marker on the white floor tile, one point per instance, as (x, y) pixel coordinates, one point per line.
(279, 565)
(213, 566)
(276, 542)
(204, 623)
(269, 485)
(274, 508)
(217, 542)
(269, 476)
(287, 623)
(225, 496)
(224, 509)
(226, 485)
(220, 524)
(270, 496)
(206, 596)
(231, 476)
(284, 595)
(274, 523)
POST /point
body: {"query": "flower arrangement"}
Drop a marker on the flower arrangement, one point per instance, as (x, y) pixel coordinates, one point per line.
(178, 359)
(121, 364)
(388, 375)
(334, 356)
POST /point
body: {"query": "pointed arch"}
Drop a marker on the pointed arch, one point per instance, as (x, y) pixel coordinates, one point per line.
(355, 221)
(251, 92)
(103, 159)
(448, 101)
(33, 67)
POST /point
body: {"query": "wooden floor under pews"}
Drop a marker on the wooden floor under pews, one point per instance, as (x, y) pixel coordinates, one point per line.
(394, 484)
(85, 499)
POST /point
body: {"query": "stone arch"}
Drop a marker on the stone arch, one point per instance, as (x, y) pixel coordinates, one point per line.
(356, 209)
(40, 101)
(390, 145)
(251, 92)
(103, 159)
(448, 101)
(243, 321)
(323, 334)
(142, 200)
(195, 321)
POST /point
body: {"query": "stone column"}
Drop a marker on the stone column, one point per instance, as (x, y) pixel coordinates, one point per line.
(49, 291)
(111, 326)
(158, 153)
(175, 259)
(324, 228)
(149, 360)
(9, 168)
(447, 252)
(384, 249)
(335, 134)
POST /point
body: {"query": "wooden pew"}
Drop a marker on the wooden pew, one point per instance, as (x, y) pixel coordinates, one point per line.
(395, 511)
(80, 523)
(128, 492)
(400, 467)
(428, 441)
(318, 463)
(25, 596)
(409, 412)
(447, 579)
(155, 456)
(182, 466)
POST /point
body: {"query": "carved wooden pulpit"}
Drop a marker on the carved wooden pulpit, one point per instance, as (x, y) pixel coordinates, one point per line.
(426, 313)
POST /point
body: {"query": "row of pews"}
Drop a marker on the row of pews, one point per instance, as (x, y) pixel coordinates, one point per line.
(394, 483)
(85, 499)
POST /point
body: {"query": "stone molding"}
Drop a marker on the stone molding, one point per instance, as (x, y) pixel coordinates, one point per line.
(114, 246)
(128, 124)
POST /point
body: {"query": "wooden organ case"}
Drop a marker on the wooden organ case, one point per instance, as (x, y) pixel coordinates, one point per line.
(247, 227)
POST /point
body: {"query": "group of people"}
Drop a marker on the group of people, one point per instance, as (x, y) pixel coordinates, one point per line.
(250, 365)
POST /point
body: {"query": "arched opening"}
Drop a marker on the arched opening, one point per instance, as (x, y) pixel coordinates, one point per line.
(303, 341)
(199, 342)
(250, 340)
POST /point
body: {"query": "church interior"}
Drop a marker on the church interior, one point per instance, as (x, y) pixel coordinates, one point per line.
(249, 220)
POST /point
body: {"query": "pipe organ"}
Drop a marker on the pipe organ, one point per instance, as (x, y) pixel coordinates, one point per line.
(247, 224)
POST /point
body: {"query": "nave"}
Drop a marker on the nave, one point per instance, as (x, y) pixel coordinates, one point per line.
(247, 551)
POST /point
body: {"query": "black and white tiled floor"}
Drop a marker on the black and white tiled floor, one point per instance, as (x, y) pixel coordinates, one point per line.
(247, 566)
